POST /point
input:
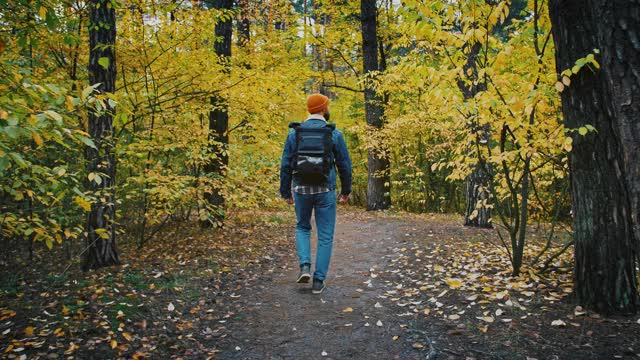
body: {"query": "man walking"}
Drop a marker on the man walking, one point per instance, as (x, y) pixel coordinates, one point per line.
(311, 154)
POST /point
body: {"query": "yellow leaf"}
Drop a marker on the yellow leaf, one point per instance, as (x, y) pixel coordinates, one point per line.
(42, 12)
(127, 336)
(454, 283)
(69, 102)
(559, 86)
(566, 81)
(83, 203)
(347, 310)
(113, 344)
(438, 268)
(396, 337)
(65, 310)
(568, 144)
(28, 331)
(37, 138)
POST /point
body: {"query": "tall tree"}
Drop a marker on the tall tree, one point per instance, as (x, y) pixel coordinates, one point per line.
(101, 228)
(378, 197)
(477, 213)
(219, 116)
(477, 193)
(244, 22)
(605, 164)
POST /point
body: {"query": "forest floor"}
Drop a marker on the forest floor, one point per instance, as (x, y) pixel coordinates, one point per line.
(400, 286)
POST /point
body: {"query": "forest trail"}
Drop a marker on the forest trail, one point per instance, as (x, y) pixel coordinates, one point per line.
(350, 319)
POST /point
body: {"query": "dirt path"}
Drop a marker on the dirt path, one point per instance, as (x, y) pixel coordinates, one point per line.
(284, 320)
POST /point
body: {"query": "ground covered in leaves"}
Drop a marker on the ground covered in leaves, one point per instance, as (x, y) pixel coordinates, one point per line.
(400, 286)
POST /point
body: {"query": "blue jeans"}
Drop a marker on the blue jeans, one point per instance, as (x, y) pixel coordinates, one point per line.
(324, 205)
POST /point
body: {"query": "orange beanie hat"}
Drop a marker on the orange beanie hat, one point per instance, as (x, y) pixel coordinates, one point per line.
(317, 103)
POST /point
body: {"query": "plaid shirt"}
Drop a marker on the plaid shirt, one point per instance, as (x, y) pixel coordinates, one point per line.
(310, 189)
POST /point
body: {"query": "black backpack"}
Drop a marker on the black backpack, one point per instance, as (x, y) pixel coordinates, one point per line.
(313, 156)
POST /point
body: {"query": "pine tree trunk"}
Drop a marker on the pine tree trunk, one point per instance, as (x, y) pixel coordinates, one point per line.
(219, 123)
(605, 165)
(378, 197)
(101, 230)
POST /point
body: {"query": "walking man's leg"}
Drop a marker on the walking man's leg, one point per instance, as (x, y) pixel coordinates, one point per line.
(304, 207)
(325, 212)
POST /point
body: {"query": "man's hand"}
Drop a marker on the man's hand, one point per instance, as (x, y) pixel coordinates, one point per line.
(343, 198)
(289, 200)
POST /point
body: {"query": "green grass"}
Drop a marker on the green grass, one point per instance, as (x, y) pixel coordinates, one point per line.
(135, 280)
(10, 284)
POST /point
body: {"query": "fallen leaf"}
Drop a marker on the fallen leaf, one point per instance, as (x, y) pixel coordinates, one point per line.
(113, 344)
(127, 336)
(396, 337)
(347, 310)
(488, 319)
(454, 283)
(454, 317)
(417, 346)
(499, 312)
(324, 353)
(377, 305)
(171, 307)
(379, 323)
(558, 323)
(28, 331)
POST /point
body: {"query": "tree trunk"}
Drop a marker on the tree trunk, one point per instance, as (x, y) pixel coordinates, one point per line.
(605, 165)
(378, 197)
(219, 123)
(477, 214)
(101, 228)
(244, 23)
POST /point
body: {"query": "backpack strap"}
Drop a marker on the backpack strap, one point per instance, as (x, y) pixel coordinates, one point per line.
(331, 126)
(294, 125)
